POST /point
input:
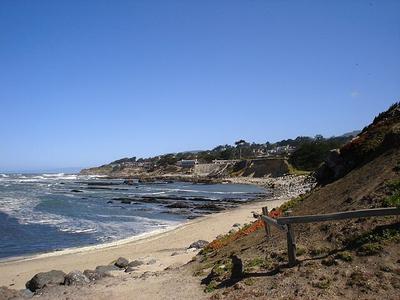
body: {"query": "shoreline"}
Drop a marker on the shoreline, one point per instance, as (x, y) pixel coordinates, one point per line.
(160, 246)
(168, 247)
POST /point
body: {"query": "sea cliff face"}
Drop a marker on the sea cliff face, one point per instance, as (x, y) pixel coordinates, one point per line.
(255, 168)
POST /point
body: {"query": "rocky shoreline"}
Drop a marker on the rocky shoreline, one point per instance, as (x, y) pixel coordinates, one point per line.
(45, 283)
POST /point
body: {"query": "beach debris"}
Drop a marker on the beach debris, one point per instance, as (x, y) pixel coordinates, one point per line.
(175, 253)
(121, 262)
(53, 277)
(76, 278)
(236, 225)
(135, 263)
(198, 244)
(76, 191)
(256, 215)
(110, 202)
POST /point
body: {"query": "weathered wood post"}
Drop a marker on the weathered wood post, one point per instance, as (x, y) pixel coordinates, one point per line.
(267, 228)
(291, 243)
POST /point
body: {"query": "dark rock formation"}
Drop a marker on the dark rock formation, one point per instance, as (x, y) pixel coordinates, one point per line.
(178, 205)
(54, 277)
(93, 275)
(199, 244)
(135, 263)
(75, 278)
(121, 263)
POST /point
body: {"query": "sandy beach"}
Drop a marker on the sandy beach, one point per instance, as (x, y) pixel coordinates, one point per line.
(159, 247)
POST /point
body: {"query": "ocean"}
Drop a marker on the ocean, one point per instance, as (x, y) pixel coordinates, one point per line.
(42, 213)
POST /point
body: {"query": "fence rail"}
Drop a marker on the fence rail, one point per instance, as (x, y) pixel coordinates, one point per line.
(286, 223)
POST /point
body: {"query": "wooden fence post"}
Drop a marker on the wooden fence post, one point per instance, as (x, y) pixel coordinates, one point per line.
(291, 242)
(267, 228)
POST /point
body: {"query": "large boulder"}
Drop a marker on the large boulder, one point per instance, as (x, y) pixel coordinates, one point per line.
(198, 244)
(121, 263)
(53, 277)
(106, 269)
(135, 263)
(93, 275)
(75, 278)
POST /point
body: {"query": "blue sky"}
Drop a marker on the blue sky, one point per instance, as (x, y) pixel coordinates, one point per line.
(86, 82)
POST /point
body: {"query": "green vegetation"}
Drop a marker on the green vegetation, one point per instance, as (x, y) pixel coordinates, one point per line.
(211, 287)
(323, 283)
(255, 262)
(291, 203)
(371, 243)
(249, 281)
(316, 251)
(394, 199)
(311, 153)
(300, 251)
(358, 278)
(345, 256)
(370, 249)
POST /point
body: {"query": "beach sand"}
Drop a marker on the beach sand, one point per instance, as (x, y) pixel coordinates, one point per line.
(14, 274)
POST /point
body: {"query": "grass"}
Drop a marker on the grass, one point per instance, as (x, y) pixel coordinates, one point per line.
(394, 199)
(295, 171)
(316, 251)
(371, 242)
(256, 262)
(370, 249)
(211, 287)
(300, 251)
(291, 203)
(323, 283)
(345, 256)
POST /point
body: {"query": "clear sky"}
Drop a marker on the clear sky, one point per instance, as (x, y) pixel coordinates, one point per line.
(86, 82)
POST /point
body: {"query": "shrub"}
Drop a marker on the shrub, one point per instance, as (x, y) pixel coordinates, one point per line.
(345, 256)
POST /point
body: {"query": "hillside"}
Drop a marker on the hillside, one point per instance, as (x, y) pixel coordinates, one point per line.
(244, 159)
(358, 258)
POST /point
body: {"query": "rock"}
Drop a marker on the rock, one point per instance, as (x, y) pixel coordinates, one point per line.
(76, 191)
(236, 225)
(75, 278)
(110, 202)
(151, 262)
(93, 275)
(106, 270)
(25, 293)
(233, 230)
(199, 244)
(178, 205)
(255, 215)
(130, 269)
(54, 277)
(210, 206)
(121, 263)
(135, 263)
(129, 182)
(175, 253)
